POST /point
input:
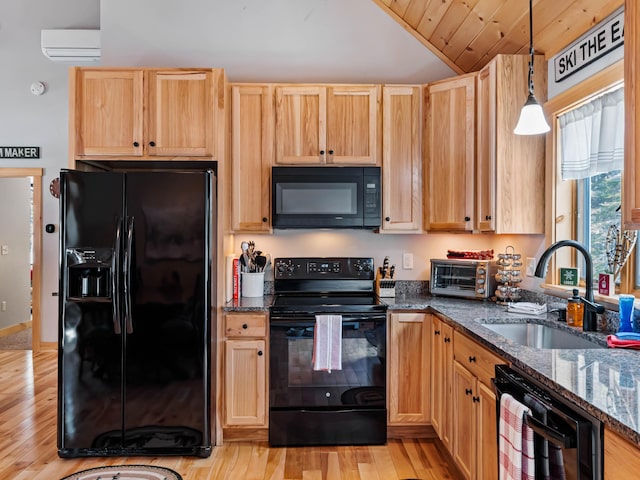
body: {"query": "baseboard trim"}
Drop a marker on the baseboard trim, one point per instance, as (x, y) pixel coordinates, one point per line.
(18, 327)
(48, 346)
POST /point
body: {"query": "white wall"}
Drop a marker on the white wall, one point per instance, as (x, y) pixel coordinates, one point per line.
(275, 40)
(15, 200)
(29, 120)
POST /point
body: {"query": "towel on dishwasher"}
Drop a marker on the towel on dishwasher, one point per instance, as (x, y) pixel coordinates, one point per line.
(327, 343)
(516, 446)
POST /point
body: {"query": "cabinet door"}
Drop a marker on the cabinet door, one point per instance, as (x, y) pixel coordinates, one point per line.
(450, 148)
(252, 155)
(464, 420)
(107, 115)
(180, 113)
(486, 149)
(487, 429)
(401, 159)
(408, 368)
(441, 371)
(301, 122)
(245, 383)
(510, 168)
(352, 124)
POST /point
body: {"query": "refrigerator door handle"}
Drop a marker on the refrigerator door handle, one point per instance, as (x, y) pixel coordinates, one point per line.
(115, 279)
(127, 276)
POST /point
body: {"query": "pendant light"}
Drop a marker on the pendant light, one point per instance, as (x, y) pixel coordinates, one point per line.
(531, 121)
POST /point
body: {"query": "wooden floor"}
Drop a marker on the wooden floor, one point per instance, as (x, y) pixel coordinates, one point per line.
(28, 442)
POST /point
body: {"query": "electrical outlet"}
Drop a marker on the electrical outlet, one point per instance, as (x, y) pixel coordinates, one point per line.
(407, 261)
(531, 267)
(4, 250)
(3, 306)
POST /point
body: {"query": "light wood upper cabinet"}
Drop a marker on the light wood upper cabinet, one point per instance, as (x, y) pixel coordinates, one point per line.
(441, 380)
(145, 113)
(408, 368)
(336, 124)
(510, 169)
(401, 159)
(245, 370)
(107, 112)
(450, 154)
(631, 188)
(252, 157)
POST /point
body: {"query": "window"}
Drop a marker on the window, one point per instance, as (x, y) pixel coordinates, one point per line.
(591, 151)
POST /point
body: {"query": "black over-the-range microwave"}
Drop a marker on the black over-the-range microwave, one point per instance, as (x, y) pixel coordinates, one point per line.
(326, 197)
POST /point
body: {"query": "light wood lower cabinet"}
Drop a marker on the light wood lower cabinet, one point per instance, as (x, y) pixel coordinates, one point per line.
(441, 377)
(621, 457)
(408, 368)
(474, 403)
(245, 370)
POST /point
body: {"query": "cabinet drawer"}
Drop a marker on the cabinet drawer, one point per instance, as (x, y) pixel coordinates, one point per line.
(478, 360)
(246, 325)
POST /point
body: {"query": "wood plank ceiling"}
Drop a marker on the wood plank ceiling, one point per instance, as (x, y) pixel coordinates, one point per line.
(467, 34)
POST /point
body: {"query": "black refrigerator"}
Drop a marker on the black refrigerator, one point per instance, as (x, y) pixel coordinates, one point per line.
(136, 290)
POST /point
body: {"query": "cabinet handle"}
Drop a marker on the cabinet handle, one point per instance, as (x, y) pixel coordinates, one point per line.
(259, 353)
(476, 399)
(466, 219)
(488, 217)
(152, 144)
(245, 326)
(472, 359)
(265, 219)
(468, 391)
(136, 144)
(330, 152)
(321, 152)
(436, 332)
(447, 340)
(387, 219)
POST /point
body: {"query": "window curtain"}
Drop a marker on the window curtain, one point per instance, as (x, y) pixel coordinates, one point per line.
(592, 137)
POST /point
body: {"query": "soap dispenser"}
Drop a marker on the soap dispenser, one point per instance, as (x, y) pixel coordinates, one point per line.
(575, 310)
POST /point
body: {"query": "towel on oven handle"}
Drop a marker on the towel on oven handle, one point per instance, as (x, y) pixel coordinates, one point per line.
(327, 343)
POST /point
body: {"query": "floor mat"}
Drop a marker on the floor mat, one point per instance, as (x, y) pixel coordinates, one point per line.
(125, 472)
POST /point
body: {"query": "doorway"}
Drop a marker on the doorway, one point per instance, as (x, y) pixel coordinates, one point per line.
(35, 174)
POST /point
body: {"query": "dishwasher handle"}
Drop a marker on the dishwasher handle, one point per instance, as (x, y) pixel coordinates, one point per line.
(554, 436)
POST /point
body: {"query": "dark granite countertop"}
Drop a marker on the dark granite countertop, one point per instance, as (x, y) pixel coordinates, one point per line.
(605, 382)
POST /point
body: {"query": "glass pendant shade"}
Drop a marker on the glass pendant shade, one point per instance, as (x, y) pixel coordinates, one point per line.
(531, 121)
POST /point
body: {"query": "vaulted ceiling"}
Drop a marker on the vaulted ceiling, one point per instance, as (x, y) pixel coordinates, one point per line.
(467, 34)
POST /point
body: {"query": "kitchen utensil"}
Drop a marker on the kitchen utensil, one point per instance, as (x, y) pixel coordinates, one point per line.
(392, 271)
(261, 262)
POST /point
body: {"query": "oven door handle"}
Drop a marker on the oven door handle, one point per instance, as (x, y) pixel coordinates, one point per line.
(551, 434)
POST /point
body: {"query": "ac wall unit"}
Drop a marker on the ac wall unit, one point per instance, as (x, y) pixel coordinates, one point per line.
(68, 45)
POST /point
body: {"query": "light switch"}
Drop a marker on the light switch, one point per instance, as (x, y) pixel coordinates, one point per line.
(4, 250)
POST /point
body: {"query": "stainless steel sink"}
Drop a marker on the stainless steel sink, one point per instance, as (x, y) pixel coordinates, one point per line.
(541, 336)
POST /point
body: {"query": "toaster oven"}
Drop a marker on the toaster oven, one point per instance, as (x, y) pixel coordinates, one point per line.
(463, 278)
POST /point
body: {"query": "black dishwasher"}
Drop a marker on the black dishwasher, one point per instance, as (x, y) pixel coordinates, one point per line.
(568, 442)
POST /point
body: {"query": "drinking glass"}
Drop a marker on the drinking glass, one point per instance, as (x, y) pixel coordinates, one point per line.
(625, 309)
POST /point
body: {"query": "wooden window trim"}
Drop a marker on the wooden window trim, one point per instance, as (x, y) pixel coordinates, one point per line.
(558, 193)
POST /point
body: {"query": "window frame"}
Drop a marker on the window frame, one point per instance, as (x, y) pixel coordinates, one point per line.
(561, 204)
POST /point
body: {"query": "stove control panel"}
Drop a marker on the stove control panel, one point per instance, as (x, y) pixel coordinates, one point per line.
(343, 268)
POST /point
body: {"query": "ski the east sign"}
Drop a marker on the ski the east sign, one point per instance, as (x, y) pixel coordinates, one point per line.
(597, 42)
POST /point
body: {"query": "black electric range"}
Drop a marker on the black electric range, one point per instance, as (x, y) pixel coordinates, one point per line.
(343, 406)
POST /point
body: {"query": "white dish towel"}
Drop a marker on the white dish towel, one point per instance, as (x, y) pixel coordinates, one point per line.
(327, 343)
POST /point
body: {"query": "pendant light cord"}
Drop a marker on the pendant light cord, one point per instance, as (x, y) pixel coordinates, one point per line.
(530, 47)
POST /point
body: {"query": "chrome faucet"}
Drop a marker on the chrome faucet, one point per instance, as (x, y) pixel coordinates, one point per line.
(591, 308)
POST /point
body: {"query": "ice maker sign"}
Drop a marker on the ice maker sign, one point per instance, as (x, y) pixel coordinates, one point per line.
(19, 152)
